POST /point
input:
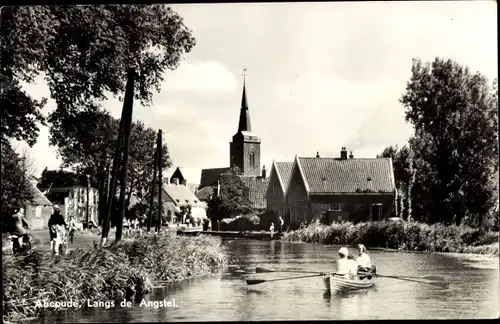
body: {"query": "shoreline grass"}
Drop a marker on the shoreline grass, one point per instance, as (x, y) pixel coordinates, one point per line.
(113, 272)
(402, 236)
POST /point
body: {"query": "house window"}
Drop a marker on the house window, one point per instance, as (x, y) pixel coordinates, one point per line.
(339, 218)
(178, 200)
(187, 201)
(298, 187)
(252, 160)
(275, 189)
(334, 207)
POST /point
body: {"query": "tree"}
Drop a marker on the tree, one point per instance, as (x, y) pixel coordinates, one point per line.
(16, 188)
(87, 144)
(232, 200)
(84, 50)
(454, 114)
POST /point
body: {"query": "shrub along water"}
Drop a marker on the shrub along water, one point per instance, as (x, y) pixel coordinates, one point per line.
(113, 272)
(411, 236)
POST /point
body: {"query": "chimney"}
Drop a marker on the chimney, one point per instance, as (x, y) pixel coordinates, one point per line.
(317, 154)
(165, 180)
(264, 172)
(343, 153)
(176, 181)
(351, 156)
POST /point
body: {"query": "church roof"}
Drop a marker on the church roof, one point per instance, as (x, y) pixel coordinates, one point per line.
(257, 190)
(209, 177)
(205, 193)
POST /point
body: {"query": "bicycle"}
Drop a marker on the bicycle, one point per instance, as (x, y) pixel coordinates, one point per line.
(26, 244)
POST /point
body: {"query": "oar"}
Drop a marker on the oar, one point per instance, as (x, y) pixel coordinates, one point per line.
(439, 282)
(259, 281)
(435, 280)
(264, 270)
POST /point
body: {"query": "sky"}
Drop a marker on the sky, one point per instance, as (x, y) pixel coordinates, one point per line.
(319, 76)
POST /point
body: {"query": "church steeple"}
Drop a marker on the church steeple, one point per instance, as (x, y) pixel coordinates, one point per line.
(244, 150)
(244, 124)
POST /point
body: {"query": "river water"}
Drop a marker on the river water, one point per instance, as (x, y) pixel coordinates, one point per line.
(473, 291)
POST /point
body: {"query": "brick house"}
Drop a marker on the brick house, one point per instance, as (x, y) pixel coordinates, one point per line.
(339, 189)
(276, 190)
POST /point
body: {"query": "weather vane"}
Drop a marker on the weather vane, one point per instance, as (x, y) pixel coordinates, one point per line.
(244, 74)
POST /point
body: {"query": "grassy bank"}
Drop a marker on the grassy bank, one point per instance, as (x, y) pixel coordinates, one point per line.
(399, 235)
(112, 272)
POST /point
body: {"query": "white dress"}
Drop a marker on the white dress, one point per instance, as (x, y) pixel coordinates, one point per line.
(364, 260)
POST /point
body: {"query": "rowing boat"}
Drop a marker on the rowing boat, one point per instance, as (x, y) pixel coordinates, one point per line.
(338, 284)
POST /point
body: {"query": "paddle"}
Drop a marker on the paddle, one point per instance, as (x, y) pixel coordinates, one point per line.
(439, 283)
(264, 270)
(259, 281)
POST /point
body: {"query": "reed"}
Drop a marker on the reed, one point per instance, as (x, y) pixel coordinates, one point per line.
(114, 272)
(412, 236)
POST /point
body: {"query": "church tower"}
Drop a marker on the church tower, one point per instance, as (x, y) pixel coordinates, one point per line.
(244, 150)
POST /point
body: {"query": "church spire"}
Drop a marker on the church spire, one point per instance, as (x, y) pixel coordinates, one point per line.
(244, 125)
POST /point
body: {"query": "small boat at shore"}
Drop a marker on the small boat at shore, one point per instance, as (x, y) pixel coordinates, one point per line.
(339, 284)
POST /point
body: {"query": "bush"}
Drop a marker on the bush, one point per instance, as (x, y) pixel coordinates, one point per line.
(106, 274)
(412, 236)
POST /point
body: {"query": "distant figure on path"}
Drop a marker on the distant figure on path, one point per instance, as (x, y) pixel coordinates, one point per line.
(343, 264)
(57, 226)
(281, 223)
(271, 229)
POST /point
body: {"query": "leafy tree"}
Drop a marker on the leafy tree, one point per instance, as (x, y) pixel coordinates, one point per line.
(16, 188)
(60, 178)
(455, 148)
(84, 50)
(21, 115)
(88, 144)
(232, 200)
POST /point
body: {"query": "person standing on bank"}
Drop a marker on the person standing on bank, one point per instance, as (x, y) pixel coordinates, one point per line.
(281, 223)
(271, 229)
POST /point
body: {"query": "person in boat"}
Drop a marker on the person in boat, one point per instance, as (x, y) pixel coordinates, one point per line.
(363, 260)
(343, 264)
(353, 271)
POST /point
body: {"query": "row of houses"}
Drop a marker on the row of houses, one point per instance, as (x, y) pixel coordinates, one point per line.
(340, 188)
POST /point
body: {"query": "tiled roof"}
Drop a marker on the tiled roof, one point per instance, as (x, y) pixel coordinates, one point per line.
(285, 172)
(209, 177)
(181, 193)
(205, 193)
(325, 175)
(257, 190)
(192, 175)
(39, 198)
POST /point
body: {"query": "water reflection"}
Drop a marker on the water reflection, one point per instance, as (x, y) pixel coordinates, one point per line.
(473, 291)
